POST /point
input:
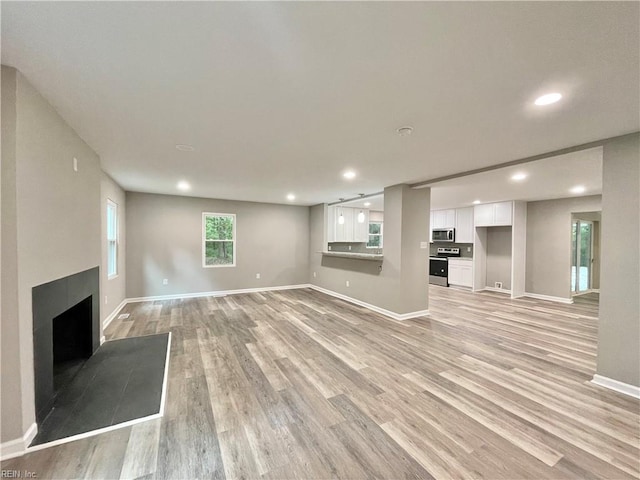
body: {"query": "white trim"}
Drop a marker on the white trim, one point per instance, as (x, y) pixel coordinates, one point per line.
(383, 311)
(217, 293)
(616, 385)
(548, 298)
(99, 431)
(114, 314)
(497, 290)
(17, 447)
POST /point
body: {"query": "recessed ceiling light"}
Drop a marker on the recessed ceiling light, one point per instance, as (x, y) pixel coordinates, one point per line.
(405, 131)
(184, 148)
(518, 176)
(578, 189)
(349, 174)
(548, 99)
(367, 204)
(291, 197)
(476, 202)
(183, 185)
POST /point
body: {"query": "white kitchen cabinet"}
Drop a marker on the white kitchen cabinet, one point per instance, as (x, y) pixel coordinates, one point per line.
(493, 214)
(360, 229)
(461, 272)
(443, 219)
(350, 230)
(464, 225)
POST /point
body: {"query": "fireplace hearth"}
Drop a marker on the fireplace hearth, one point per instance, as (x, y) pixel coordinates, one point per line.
(66, 332)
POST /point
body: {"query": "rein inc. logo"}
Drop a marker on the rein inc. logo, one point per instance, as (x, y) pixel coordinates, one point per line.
(18, 474)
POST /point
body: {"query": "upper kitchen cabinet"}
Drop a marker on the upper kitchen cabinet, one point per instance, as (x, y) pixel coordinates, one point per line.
(345, 224)
(464, 225)
(493, 214)
(443, 219)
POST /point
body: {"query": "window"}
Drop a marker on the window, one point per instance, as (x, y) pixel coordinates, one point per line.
(375, 235)
(112, 239)
(219, 240)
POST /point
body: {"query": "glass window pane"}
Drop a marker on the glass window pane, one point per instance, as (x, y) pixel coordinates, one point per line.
(218, 253)
(374, 241)
(374, 228)
(218, 227)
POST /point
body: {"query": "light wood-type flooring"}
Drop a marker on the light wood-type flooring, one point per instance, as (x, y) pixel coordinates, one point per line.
(298, 384)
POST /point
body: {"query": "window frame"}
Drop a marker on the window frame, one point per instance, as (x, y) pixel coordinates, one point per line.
(204, 239)
(115, 240)
(381, 234)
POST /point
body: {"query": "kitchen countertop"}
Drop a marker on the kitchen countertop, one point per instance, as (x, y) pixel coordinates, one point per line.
(358, 256)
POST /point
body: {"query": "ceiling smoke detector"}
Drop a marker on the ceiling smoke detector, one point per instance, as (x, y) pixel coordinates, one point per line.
(405, 131)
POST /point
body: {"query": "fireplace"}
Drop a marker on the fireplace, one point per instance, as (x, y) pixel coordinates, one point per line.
(66, 331)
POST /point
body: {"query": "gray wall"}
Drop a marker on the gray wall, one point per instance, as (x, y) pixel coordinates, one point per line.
(499, 256)
(164, 240)
(549, 243)
(112, 290)
(402, 284)
(57, 223)
(619, 327)
(10, 390)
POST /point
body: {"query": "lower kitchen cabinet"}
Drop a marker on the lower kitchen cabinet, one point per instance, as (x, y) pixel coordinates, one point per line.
(461, 273)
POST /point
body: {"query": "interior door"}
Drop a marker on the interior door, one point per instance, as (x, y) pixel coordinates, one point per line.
(582, 256)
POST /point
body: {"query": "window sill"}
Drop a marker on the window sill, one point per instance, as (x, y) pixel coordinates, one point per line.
(111, 277)
(218, 266)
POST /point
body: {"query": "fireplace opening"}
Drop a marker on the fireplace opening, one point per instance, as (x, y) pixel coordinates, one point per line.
(72, 342)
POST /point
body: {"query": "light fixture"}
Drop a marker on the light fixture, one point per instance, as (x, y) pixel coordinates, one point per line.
(518, 176)
(476, 202)
(183, 185)
(548, 99)
(367, 204)
(361, 217)
(578, 189)
(291, 197)
(341, 219)
(349, 174)
(405, 131)
(184, 147)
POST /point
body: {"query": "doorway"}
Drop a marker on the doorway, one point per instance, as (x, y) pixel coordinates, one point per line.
(585, 253)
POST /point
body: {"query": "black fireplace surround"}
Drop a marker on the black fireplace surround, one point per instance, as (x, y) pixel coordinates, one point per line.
(66, 331)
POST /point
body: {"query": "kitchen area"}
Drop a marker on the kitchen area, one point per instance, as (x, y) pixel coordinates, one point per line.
(479, 248)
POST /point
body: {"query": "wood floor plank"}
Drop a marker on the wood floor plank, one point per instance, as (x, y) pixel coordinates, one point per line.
(295, 384)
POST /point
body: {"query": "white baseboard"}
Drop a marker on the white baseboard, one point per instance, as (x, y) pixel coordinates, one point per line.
(113, 314)
(548, 298)
(496, 290)
(17, 447)
(616, 385)
(383, 311)
(217, 293)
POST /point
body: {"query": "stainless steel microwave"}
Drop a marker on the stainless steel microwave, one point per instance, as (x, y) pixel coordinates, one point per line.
(443, 235)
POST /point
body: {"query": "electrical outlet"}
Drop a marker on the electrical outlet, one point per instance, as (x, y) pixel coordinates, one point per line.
(498, 285)
(165, 281)
(105, 300)
(349, 247)
(75, 164)
(257, 275)
(329, 247)
(468, 249)
(347, 283)
(315, 274)
(424, 244)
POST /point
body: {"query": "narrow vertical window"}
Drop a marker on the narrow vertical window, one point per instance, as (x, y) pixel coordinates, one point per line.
(112, 239)
(375, 235)
(219, 240)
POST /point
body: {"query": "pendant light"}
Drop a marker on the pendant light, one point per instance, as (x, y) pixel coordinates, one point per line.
(341, 217)
(361, 217)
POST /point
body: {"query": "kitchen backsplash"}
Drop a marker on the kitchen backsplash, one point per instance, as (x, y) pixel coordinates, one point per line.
(433, 248)
(355, 247)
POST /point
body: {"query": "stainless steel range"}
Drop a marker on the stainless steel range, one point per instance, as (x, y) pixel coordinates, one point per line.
(439, 265)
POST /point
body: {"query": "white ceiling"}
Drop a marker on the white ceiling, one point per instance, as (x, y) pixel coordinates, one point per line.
(283, 97)
(375, 202)
(546, 179)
